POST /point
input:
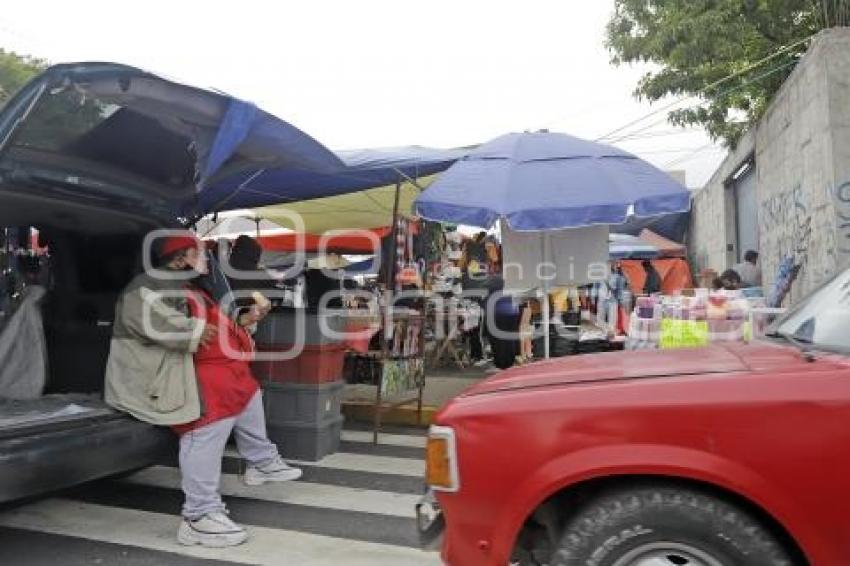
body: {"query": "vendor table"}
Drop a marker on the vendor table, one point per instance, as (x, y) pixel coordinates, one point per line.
(447, 323)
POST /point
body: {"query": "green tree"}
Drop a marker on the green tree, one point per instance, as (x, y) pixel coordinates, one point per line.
(62, 116)
(694, 45)
(15, 70)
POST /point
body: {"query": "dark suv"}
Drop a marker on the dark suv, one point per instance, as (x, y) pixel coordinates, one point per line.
(94, 156)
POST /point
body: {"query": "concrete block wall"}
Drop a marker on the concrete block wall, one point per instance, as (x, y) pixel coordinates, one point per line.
(794, 167)
(802, 159)
(838, 78)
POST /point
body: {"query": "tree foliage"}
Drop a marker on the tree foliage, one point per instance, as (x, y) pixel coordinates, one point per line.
(695, 44)
(63, 115)
(15, 70)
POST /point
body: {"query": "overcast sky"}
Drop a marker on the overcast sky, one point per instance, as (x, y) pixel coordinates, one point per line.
(372, 73)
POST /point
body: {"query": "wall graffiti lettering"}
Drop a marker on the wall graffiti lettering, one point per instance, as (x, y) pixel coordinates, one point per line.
(789, 209)
(842, 210)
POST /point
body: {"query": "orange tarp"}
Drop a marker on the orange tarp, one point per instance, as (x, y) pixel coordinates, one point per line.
(675, 274)
(668, 248)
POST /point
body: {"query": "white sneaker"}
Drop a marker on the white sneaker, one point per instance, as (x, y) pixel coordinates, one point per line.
(213, 529)
(276, 470)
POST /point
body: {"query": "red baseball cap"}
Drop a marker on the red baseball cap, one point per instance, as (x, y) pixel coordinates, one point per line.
(177, 242)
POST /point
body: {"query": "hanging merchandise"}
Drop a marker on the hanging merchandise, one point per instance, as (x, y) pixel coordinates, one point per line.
(400, 241)
(429, 243)
(407, 269)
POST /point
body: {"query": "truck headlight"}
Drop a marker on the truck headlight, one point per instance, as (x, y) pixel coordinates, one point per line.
(441, 460)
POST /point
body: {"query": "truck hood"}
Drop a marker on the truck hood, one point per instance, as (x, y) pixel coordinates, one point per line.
(120, 131)
(718, 359)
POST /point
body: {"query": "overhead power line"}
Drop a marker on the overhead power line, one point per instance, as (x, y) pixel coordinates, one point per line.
(689, 156)
(707, 88)
(642, 135)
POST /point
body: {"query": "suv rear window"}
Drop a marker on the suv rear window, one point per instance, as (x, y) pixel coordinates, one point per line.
(71, 122)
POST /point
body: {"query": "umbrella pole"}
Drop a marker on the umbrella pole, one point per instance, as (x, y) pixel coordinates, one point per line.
(545, 306)
(394, 231)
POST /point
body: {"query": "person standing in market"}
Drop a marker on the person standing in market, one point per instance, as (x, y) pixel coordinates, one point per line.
(245, 274)
(177, 360)
(652, 284)
(618, 303)
(475, 253)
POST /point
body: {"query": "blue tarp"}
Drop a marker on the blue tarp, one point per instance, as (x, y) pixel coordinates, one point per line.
(671, 226)
(247, 132)
(546, 181)
(158, 129)
(365, 267)
(364, 169)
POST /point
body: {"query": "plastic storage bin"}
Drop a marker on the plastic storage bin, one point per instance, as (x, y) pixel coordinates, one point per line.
(315, 364)
(288, 403)
(281, 327)
(307, 441)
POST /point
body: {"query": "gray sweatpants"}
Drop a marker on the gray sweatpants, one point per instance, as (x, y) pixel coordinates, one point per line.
(202, 450)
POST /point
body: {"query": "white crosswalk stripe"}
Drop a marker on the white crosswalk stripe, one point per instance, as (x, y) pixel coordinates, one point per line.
(299, 493)
(156, 531)
(362, 463)
(351, 508)
(383, 438)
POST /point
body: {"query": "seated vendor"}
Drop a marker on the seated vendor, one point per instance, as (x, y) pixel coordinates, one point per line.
(729, 280)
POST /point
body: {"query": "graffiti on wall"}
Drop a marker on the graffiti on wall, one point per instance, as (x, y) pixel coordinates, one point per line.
(787, 215)
(842, 210)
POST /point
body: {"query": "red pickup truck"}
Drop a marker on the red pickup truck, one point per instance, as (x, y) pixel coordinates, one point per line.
(729, 455)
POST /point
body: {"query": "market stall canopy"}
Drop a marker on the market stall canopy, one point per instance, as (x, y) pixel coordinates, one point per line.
(275, 260)
(231, 225)
(671, 226)
(361, 242)
(365, 209)
(665, 246)
(624, 246)
(364, 169)
(369, 266)
(121, 132)
(549, 181)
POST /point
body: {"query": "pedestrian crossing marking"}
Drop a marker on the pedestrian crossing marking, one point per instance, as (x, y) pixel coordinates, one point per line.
(306, 522)
(294, 492)
(387, 439)
(157, 531)
(360, 463)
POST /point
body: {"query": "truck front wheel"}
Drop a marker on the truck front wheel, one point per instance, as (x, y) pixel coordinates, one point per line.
(666, 526)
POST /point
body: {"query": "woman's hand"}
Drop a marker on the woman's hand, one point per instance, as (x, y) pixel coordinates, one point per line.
(254, 315)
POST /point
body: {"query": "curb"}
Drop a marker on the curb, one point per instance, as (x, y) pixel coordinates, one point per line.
(364, 411)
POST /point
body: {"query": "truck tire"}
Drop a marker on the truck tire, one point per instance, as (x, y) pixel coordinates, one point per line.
(666, 526)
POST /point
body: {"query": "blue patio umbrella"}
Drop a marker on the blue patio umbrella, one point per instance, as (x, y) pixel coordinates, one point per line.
(549, 181)
(542, 181)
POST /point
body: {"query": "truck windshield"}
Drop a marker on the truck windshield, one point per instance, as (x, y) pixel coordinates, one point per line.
(823, 318)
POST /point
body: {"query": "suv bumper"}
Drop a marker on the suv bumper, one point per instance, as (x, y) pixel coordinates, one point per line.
(430, 522)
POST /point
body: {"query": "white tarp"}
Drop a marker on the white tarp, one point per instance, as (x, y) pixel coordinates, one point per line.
(23, 351)
(568, 258)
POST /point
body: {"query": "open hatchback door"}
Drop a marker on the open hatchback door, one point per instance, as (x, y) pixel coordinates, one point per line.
(123, 133)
